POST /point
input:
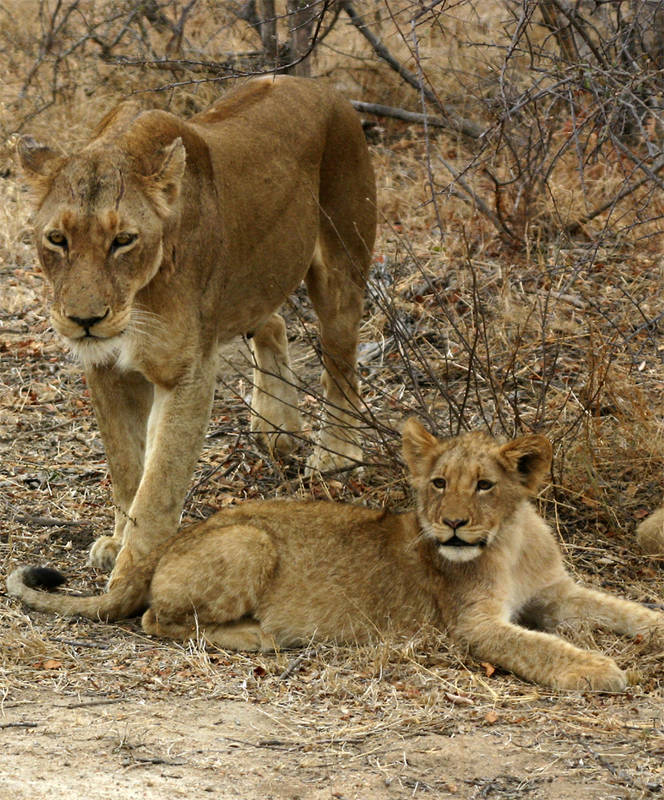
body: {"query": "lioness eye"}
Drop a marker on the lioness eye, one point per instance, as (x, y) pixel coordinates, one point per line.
(484, 485)
(122, 240)
(439, 483)
(57, 238)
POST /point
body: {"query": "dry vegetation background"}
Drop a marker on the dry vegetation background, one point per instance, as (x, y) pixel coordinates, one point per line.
(516, 286)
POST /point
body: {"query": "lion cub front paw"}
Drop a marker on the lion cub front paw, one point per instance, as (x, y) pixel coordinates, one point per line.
(104, 552)
(601, 674)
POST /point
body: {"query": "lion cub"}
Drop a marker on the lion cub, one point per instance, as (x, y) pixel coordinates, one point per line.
(474, 558)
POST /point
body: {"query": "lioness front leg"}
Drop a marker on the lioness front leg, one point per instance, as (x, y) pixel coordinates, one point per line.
(542, 657)
(122, 401)
(177, 425)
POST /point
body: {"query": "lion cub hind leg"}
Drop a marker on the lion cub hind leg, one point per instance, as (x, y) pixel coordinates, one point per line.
(211, 578)
(274, 413)
(569, 601)
(244, 634)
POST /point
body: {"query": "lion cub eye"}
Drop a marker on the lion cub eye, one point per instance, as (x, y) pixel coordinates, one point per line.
(439, 483)
(123, 239)
(484, 485)
(57, 238)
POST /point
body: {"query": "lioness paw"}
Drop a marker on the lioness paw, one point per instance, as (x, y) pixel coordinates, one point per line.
(277, 443)
(104, 552)
(601, 674)
(324, 460)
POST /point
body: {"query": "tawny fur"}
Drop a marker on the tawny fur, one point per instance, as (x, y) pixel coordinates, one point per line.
(163, 238)
(650, 533)
(474, 559)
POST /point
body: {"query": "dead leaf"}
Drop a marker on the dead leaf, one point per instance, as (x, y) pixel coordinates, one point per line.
(458, 700)
(489, 669)
(491, 718)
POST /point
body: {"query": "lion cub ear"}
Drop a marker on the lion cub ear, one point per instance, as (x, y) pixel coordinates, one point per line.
(39, 163)
(529, 458)
(164, 185)
(417, 444)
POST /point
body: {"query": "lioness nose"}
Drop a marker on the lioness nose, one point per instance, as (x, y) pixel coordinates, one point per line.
(87, 322)
(455, 523)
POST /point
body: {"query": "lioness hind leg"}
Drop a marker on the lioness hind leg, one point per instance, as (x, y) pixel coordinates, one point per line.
(274, 413)
(336, 280)
(337, 298)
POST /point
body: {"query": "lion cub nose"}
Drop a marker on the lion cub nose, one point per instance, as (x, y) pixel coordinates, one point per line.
(87, 322)
(455, 523)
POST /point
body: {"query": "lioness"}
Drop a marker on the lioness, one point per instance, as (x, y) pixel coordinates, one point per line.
(162, 238)
(474, 558)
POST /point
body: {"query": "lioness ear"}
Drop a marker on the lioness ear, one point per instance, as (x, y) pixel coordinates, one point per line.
(39, 163)
(417, 443)
(164, 184)
(529, 457)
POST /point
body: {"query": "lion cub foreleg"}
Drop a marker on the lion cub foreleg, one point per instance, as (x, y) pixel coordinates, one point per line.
(274, 413)
(537, 656)
(208, 585)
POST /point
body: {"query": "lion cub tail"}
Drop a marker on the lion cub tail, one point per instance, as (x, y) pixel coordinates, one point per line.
(122, 599)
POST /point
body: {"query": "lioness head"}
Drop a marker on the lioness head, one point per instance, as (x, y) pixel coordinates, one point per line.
(99, 225)
(467, 486)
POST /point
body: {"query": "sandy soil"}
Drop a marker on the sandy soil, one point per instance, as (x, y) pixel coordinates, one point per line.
(146, 747)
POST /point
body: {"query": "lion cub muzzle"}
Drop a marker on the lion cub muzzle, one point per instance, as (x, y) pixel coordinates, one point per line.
(457, 541)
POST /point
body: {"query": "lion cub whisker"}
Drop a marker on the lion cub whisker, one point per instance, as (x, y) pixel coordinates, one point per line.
(269, 574)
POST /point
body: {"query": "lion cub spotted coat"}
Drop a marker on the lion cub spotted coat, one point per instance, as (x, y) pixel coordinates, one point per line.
(475, 558)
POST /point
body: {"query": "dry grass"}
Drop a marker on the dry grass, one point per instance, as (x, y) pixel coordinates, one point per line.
(559, 336)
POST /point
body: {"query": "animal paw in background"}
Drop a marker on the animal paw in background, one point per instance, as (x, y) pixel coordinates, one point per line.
(650, 533)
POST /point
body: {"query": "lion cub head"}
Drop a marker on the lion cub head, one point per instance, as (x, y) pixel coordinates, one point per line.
(468, 486)
(100, 220)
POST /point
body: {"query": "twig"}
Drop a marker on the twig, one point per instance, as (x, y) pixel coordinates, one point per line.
(307, 655)
(89, 703)
(75, 643)
(51, 522)
(456, 122)
(477, 200)
(18, 724)
(399, 113)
